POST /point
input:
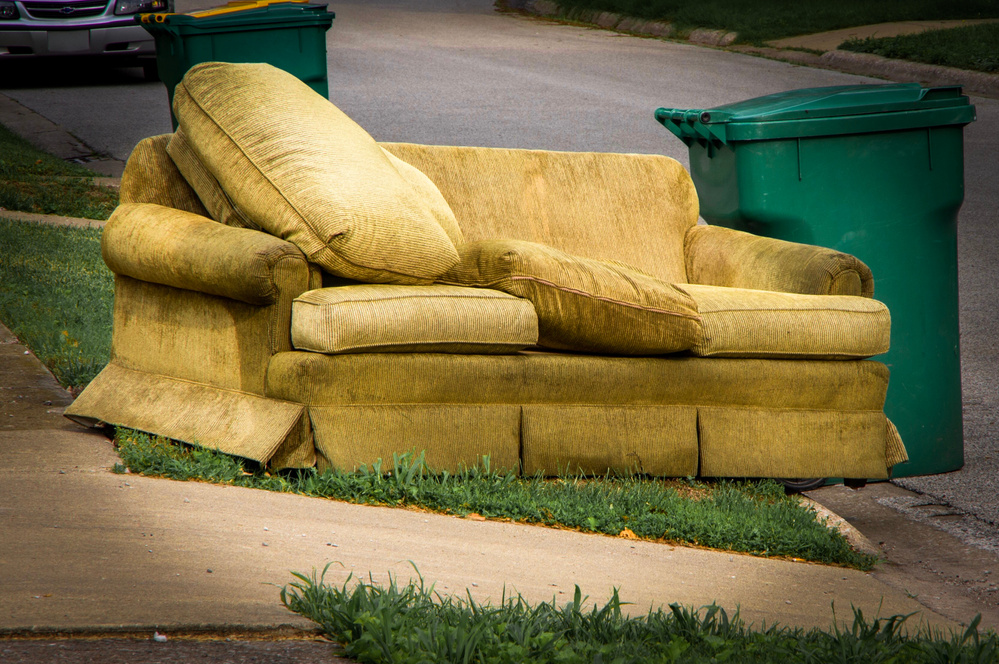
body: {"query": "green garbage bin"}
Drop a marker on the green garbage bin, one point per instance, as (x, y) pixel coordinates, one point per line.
(289, 34)
(876, 171)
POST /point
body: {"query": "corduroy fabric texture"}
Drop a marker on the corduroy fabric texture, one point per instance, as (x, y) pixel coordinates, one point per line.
(234, 422)
(583, 304)
(453, 436)
(592, 439)
(167, 246)
(738, 322)
(776, 442)
(303, 171)
(531, 377)
(210, 192)
(630, 208)
(201, 338)
(430, 197)
(150, 176)
(724, 257)
(389, 318)
(896, 448)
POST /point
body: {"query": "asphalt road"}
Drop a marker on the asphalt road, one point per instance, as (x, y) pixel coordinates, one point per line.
(457, 72)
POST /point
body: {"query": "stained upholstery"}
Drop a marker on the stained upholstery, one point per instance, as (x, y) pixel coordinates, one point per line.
(738, 322)
(388, 318)
(303, 171)
(583, 304)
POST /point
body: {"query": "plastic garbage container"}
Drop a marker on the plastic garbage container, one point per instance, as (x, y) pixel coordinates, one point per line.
(289, 34)
(876, 171)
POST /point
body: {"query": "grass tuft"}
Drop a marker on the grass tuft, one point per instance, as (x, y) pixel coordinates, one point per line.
(34, 181)
(56, 295)
(975, 47)
(746, 517)
(415, 624)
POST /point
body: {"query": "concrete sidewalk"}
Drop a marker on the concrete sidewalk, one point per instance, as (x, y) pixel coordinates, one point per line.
(88, 551)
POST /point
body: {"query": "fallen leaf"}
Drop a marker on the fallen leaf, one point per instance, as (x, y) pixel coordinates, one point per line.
(627, 534)
(475, 517)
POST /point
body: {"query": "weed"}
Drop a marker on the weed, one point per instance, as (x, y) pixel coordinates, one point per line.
(34, 181)
(414, 623)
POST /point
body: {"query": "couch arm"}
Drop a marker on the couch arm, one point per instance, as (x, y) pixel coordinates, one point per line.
(720, 256)
(166, 246)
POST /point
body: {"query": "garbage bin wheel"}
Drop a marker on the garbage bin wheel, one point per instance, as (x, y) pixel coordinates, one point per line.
(798, 484)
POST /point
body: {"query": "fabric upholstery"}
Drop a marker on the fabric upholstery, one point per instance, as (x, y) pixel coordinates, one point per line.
(531, 377)
(196, 337)
(303, 171)
(590, 439)
(896, 448)
(430, 197)
(453, 436)
(166, 246)
(724, 257)
(389, 318)
(776, 442)
(234, 422)
(218, 204)
(630, 208)
(150, 176)
(823, 417)
(583, 304)
(737, 322)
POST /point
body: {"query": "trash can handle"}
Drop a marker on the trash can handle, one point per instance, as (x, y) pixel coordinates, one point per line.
(691, 125)
(155, 18)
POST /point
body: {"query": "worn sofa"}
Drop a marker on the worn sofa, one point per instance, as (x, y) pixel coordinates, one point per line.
(289, 291)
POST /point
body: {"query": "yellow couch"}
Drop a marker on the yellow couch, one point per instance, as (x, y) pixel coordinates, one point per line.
(231, 337)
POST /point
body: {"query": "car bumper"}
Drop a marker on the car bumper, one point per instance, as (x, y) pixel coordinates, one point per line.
(126, 40)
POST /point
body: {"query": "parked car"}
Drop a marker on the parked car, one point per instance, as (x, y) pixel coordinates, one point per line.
(61, 28)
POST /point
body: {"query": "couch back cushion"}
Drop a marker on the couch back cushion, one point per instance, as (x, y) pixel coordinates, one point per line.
(630, 208)
(151, 177)
(300, 169)
(583, 304)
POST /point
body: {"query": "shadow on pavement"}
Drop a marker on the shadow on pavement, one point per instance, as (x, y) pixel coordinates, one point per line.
(70, 72)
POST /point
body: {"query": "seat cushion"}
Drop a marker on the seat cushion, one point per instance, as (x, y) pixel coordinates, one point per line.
(300, 169)
(389, 318)
(739, 322)
(583, 304)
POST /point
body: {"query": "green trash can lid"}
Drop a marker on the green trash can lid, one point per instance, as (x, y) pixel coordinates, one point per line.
(847, 109)
(242, 13)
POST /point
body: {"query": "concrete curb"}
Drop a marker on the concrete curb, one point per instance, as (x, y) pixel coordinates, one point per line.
(855, 538)
(55, 139)
(861, 64)
(51, 219)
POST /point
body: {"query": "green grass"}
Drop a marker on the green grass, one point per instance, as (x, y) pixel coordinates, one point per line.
(34, 181)
(975, 47)
(414, 624)
(747, 517)
(56, 296)
(764, 20)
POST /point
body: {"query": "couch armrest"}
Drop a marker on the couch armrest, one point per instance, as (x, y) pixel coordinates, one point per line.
(166, 246)
(720, 256)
